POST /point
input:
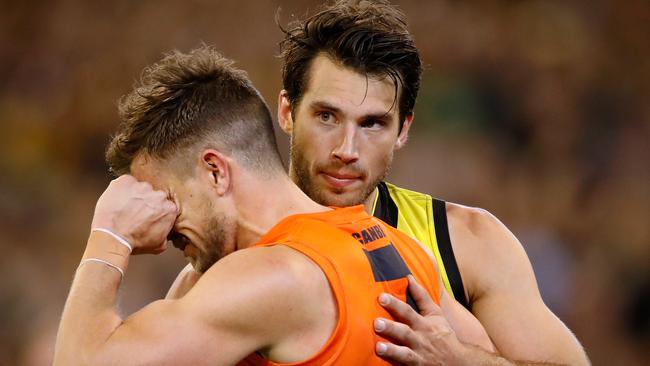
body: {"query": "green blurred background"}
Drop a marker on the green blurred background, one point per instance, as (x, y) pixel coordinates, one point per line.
(538, 111)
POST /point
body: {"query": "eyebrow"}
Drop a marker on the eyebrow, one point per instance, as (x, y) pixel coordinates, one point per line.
(372, 116)
(324, 105)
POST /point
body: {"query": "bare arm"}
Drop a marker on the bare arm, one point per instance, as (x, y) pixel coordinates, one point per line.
(203, 327)
(142, 216)
(93, 333)
(506, 301)
(504, 293)
(439, 335)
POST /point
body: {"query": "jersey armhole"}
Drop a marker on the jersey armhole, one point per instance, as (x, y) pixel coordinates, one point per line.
(335, 342)
(447, 252)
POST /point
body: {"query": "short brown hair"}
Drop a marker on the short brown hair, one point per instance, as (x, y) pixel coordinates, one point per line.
(370, 37)
(194, 100)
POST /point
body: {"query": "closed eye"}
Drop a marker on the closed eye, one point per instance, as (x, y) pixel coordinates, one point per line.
(179, 240)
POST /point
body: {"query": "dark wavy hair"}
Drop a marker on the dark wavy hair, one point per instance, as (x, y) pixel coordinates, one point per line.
(370, 37)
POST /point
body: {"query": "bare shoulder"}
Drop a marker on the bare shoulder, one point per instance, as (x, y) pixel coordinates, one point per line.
(275, 276)
(503, 291)
(489, 256)
(474, 221)
(273, 291)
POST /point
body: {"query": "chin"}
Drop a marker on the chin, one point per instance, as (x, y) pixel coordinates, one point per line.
(343, 200)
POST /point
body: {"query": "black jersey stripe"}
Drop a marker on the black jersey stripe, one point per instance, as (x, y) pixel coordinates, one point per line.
(447, 252)
(386, 210)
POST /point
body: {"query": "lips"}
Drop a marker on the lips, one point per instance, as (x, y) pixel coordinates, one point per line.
(341, 180)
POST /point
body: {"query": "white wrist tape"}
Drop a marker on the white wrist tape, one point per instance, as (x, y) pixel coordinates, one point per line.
(120, 239)
(97, 260)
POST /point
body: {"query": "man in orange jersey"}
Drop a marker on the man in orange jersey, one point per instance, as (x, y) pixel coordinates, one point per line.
(284, 279)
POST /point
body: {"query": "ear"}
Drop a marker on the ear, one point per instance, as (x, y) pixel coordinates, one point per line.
(404, 133)
(285, 117)
(215, 168)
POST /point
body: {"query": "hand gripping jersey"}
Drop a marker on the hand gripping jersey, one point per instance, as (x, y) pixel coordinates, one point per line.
(361, 257)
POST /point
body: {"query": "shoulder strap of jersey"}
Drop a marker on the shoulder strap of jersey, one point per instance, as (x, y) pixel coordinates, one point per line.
(447, 252)
(386, 209)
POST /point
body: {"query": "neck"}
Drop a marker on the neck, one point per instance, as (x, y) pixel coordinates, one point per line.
(369, 203)
(264, 203)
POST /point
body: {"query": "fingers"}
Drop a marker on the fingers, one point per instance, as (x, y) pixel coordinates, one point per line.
(422, 298)
(169, 211)
(396, 354)
(399, 310)
(394, 331)
(137, 211)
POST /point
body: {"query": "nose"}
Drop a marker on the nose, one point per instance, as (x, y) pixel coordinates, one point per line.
(347, 150)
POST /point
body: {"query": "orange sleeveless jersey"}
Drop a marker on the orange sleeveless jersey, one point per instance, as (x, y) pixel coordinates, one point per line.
(361, 257)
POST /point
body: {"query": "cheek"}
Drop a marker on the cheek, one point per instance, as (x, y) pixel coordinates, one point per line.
(310, 145)
(379, 153)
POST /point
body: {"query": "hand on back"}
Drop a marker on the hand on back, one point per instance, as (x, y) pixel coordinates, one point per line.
(438, 335)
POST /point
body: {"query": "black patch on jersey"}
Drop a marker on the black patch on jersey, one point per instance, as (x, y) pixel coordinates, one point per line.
(388, 265)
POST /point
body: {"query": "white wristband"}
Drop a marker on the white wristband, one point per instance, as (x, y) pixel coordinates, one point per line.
(120, 239)
(84, 261)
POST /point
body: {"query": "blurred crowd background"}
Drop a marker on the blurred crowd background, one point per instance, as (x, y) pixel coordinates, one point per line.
(538, 111)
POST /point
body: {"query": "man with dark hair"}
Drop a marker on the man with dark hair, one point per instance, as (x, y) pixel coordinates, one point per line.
(351, 75)
(283, 279)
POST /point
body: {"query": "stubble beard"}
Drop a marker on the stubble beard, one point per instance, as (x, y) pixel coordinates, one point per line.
(216, 239)
(303, 178)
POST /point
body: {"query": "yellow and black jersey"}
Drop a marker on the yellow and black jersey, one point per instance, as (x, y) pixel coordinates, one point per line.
(425, 219)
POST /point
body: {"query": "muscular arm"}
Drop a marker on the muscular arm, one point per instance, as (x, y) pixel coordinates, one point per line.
(439, 335)
(503, 291)
(504, 297)
(238, 306)
(202, 328)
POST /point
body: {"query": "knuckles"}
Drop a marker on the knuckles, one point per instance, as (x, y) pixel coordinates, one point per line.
(138, 212)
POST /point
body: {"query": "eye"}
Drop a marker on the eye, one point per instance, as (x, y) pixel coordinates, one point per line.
(325, 117)
(179, 240)
(372, 123)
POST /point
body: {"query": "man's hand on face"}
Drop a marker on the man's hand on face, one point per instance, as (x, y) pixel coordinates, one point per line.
(137, 212)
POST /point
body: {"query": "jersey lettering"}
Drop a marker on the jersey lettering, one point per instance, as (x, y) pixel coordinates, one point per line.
(369, 235)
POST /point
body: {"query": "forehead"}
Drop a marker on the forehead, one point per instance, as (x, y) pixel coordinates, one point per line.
(333, 84)
(145, 168)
